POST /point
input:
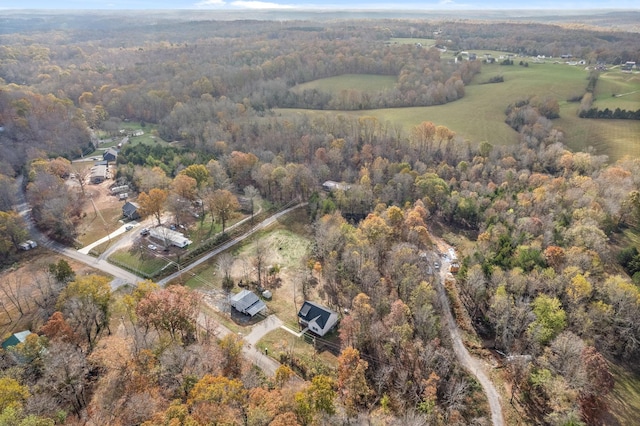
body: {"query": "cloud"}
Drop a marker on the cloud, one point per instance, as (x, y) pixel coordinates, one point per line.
(259, 5)
(205, 3)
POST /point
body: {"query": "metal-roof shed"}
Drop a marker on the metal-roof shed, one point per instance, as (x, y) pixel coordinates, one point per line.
(247, 302)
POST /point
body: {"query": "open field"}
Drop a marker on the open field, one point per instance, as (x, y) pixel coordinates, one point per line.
(425, 42)
(626, 87)
(149, 137)
(284, 245)
(359, 82)
(479, 116)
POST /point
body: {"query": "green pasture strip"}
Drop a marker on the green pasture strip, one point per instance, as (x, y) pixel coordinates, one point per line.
(368, 83)
(426, 42)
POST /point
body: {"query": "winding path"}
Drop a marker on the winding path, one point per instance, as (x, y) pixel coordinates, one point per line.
(473, 365)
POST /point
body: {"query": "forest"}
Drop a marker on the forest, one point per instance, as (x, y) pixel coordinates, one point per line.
(548, 272)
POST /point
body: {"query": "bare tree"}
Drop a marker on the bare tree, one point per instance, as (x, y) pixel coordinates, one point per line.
(225, 262)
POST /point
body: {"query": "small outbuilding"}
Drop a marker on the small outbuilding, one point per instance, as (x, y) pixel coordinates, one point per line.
(130, 210)
(247, 303)
(15, 339)
(317, 318)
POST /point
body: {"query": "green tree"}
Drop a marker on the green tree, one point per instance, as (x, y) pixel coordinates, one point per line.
(550, 320)
(199, 172)
(62, 271)
(12, 393)
(13, 231)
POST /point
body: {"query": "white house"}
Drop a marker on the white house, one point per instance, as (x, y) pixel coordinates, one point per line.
(247, 302)
(316, 318)
(168, 236)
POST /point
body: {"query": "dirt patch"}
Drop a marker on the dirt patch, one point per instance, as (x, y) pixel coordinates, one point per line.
(101, 213)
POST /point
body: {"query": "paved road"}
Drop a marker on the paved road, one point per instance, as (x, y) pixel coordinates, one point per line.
(121, 277)
(258, 358)
(473, 365)
(262, 225)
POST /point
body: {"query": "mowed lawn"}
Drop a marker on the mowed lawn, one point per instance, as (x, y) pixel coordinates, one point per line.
(358, 82)
(479, 115)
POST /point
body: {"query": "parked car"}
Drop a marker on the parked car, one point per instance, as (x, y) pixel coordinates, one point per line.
(128, 227)
(144, 232)
(152, 247)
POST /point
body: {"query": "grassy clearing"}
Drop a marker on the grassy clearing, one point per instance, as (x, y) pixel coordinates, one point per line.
(285, 245)
(425, 42)
(366, 83)
(282, 342)
(625, 86)
(145, 262)
(624, 400)
(479, 115)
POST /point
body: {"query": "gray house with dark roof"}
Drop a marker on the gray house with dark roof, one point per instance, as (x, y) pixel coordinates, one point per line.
(130, 210)
(247, 303)
(110, 155)
(316, 318)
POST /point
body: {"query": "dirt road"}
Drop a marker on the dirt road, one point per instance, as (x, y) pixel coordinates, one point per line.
(473, 365)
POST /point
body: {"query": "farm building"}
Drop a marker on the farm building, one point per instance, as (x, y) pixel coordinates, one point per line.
(247, 303)
(130, 210)
(317, 318)
(169, 237)
(15, 338)
(98, 174)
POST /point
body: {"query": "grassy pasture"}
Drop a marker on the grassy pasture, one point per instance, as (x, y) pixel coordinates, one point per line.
(426, 42)
(625, 86)
(479, 116)
(359, 82)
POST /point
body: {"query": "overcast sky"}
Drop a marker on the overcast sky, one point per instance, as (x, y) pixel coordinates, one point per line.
(318, 4)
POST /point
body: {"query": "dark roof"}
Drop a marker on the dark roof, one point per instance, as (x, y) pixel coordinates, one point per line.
(110, 153)
(310, 311)
(15, 339)
(129, 208)
(247, 302)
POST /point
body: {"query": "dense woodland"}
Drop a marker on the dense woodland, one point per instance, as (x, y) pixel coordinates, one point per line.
(540, 273)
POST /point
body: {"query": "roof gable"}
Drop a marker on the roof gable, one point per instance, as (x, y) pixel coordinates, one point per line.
(311, 311)
(15, 339)
(247, 302)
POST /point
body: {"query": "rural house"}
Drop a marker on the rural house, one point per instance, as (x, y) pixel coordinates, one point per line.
(317, 318)
(110, 155)
(130, 210)
(247, 303)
